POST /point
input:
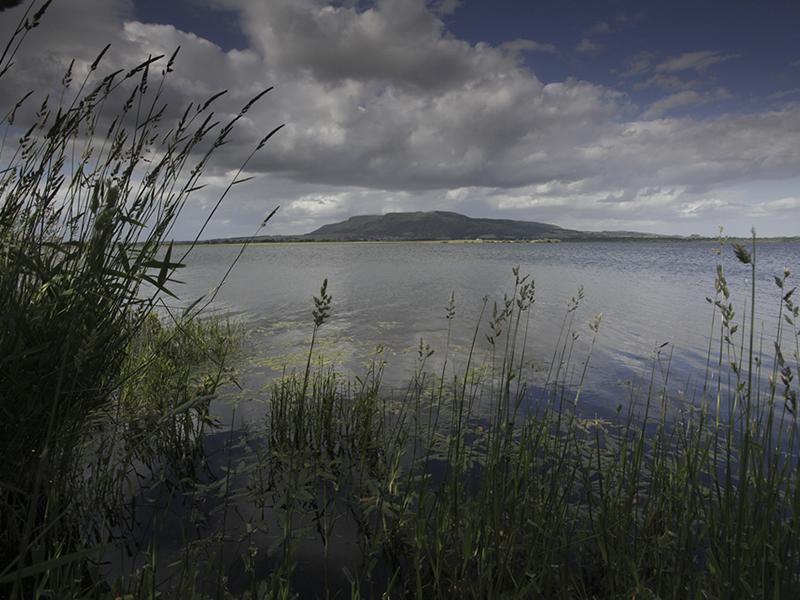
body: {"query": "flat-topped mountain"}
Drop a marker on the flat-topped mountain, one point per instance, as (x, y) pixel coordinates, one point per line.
(437, 225)
(445, 225)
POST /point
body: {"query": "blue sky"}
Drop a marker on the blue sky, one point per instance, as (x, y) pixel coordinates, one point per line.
(755, 41)
(663, 116)
(762, 36)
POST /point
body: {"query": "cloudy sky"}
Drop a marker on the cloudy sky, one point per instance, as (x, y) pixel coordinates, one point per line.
(669, 116)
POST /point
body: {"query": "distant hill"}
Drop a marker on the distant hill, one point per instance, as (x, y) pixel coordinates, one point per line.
(444, 225)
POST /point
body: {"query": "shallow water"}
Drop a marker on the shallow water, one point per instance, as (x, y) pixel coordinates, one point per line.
(393, 294)
(655, 316)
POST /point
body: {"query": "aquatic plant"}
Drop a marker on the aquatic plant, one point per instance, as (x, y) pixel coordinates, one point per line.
(671, 498)
(470, 484)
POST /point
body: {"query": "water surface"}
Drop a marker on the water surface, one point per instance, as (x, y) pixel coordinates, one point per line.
(655, 318)
(652, 296)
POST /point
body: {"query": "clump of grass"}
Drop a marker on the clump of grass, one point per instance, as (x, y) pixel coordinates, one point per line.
(151, 433)
(89, 197)
(161, 411)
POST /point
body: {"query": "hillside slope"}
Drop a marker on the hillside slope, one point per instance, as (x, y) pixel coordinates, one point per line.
(437, 225)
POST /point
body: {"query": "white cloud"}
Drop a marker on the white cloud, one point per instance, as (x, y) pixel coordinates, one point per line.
(638, 64)
(670, 73)
(445, 7)
(703, 206)
(588, 46)
(683, 99)
(318, 205)
(771, 207)
(693, 61)
(399, 41)
(524, 45)
(666, 82)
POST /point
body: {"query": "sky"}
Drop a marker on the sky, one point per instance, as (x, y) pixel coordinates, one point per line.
(664, 116)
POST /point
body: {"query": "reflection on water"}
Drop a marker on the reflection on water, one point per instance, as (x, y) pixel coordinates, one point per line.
(392, 294)
(656, 319)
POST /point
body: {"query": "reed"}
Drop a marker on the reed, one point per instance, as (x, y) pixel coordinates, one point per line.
(90, 194)
(467, 484)
(671, 499)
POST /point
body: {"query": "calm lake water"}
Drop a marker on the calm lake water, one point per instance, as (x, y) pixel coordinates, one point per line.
(652, 296)
(393, 294)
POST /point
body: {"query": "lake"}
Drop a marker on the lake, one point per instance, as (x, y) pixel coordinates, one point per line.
(652, 295)
(655, 320)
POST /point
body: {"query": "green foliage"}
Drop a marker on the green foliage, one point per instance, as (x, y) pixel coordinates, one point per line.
(169, 376)
(453, 489)
(88, 198)
(155, 421)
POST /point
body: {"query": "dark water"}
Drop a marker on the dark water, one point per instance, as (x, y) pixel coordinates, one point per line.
(393, 294)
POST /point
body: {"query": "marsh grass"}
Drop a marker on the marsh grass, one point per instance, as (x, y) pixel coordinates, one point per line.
(90, 193)
(466, 484)
(469, 484)
(149, 435)
(670, 499)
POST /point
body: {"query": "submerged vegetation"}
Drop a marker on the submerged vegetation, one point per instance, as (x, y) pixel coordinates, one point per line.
(117, 480)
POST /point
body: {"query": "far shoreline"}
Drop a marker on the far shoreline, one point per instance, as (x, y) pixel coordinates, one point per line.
(479, 242)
